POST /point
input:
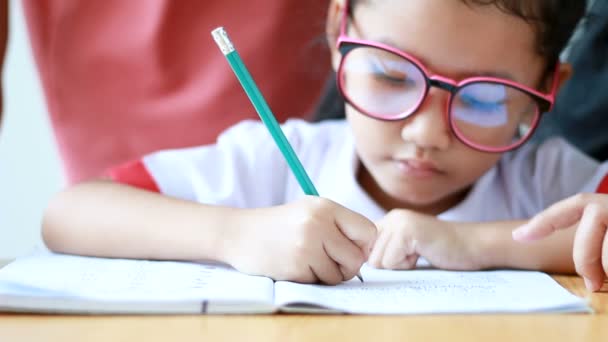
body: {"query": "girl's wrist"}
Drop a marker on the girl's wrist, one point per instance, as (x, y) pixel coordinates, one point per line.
(496, 245)
(482, 242)
(216, 231)
(230, 233)
(489, 250)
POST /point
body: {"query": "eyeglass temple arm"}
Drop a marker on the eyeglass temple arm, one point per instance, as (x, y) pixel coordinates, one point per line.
(556, 80)
(343, 21)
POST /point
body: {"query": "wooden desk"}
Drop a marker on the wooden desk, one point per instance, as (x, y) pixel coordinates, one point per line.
(494, 328)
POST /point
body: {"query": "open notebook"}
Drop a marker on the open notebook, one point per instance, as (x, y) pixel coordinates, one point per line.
(70, 284)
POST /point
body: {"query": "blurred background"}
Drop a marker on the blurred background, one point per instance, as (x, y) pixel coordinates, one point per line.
(30, 171)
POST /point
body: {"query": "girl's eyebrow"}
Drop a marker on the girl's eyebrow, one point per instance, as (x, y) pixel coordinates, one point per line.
(494, 74)
(458, 75)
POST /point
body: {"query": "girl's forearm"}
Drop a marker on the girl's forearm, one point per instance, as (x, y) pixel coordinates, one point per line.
(107, 219)
(497, 247)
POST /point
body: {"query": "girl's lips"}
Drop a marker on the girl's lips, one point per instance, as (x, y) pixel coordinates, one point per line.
(417, 168)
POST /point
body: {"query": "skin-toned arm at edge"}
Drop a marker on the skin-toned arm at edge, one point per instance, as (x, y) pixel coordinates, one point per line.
(586, 215)
(322, 241)
(3, 42)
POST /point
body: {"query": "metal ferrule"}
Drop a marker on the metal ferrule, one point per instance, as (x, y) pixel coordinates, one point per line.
(223, 41)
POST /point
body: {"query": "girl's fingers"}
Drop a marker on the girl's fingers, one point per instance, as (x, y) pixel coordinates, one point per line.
(326, 270)
(400, 254)
(346, 254)
(588, 244)
(375, 257)
(356, 228)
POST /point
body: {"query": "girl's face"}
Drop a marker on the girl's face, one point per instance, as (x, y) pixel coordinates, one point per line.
(417, 163)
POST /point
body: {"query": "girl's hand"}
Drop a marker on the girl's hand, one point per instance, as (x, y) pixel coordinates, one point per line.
(307, 241)
(588, 213)
(406, 235)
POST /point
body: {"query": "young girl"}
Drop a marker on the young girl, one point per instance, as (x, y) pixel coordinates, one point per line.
(440, 96)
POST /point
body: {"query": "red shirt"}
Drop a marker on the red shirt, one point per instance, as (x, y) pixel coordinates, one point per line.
(125, 78)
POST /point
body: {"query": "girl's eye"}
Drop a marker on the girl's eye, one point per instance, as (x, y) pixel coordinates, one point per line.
(479, 103)
(483, 96)
(393, 77)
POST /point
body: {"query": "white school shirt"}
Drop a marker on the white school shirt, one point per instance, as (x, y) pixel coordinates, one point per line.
(245, 169)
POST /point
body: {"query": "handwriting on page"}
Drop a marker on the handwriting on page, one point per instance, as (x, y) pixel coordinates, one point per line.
(420, 291)
(419, 287)
(386, 292)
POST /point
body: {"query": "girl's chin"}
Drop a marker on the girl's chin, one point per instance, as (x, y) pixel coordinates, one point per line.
(413, 198)
(426, 200)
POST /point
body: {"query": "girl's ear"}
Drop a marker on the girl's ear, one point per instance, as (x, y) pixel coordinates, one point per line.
(332, 29)
(563, 74)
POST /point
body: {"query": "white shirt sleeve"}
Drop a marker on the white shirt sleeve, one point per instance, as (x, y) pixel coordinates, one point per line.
(243, 169)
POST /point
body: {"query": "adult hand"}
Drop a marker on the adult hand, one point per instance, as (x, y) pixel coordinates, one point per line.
(588, 213)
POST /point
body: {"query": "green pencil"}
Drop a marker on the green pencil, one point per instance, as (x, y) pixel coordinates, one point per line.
(259, 103)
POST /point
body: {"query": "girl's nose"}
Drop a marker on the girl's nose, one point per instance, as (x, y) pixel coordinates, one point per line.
(427, 127)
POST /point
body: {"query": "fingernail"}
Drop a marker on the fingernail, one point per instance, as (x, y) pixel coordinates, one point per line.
(589, 284)
(518, 233)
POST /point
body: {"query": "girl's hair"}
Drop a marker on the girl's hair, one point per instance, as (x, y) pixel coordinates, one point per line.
(553, 20)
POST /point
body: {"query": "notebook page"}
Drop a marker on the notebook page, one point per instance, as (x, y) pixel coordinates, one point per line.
(131, 281)
(435, 291)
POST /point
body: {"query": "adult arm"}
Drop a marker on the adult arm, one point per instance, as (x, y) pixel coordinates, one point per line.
(588, 213)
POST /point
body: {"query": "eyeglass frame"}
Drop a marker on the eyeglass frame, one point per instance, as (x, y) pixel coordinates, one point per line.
(545, 102)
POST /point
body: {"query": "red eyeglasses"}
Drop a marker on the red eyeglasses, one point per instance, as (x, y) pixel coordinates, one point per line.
(488, 114)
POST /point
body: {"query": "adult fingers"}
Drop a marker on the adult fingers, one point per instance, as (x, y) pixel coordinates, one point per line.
(588, 244)
(605, 255)
(561, 215)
